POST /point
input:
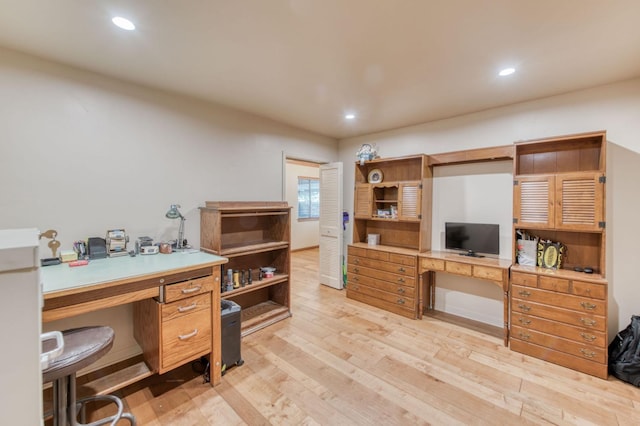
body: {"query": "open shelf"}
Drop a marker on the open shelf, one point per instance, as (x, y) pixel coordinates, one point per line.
(265, 282)
(262, 315)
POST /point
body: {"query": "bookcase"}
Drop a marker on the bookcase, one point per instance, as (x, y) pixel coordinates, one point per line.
(251, 235)
(560, 315)
(392, 199)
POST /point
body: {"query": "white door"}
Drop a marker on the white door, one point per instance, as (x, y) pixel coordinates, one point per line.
(331, 234)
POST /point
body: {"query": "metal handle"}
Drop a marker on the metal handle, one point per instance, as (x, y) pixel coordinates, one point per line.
(161, 280)
(524, 336)
(401, 269)
(524, 293)
(400, 280)
(401, 301)
(588, 337)
(356, 270)
(587, 354)
(524, 307)
(524, 321)
(191, 290)
(357, 261)
(187, 308)
(588, 306)
(188, 336)
(400, 290)
(588, 321)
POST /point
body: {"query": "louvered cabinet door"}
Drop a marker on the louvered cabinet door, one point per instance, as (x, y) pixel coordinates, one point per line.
(533, 201)
(362, 201)
(410, 201)
(579, 201)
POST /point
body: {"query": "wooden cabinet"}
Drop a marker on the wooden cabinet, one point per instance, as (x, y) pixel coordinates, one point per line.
(559, 195)
(251, 235)
(562, 319)
(395, 207)
(385, 278)
(176, 327)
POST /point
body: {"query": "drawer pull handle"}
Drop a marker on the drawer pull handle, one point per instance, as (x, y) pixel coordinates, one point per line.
(524, 293)
(161, 280)
(524, 321)
(588, 321)
(524, 336)
(357, 261)
(588, 337)
(587, 354)
(356, 278)
(402, 269)
(400, 290)
(191, 290)
(524, 307)
(588, 306)
(187, 308)
(400, 280)
(401, 301)
(188, 336)
(356, 270)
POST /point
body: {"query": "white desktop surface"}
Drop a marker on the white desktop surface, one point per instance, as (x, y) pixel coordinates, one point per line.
(62, 277)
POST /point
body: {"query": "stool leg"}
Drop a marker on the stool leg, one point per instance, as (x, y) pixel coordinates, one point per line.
(60, 399)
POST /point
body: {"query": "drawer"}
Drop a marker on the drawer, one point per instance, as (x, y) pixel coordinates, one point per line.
(458, 268)
(529, 280)
(554, 284)
(395, 268)
(579, 319)
(560, 300)
(185, 337)
(597, 291)
(402, 259)
(185, 306)
(357, 251)
(399, 300)
(581, 350)
(488, 273)
(403, 310)
(427, 263)
(189, 288)
(405, 280)
(378, 255)
(592, 337)
(398, 289)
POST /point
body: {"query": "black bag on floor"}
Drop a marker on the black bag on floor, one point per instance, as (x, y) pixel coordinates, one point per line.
(624, 353)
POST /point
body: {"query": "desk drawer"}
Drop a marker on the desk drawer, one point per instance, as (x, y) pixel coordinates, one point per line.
(185, 306)
(189, 288)
(459, 268)
(399, 279)
(399, 289)
(185, 337)
(396, 268)
(428, 264)
(530, 280)
(596, 291)
(487, 273)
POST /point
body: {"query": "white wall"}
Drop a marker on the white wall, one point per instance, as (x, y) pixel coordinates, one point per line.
(614, 108)
(81, 153)
(304, 233)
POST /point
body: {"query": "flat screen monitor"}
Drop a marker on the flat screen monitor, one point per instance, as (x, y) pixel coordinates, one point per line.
(473, 238)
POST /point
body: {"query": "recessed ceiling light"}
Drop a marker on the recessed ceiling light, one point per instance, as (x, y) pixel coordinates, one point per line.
(123, 23)
(506, 71)
(349, 116)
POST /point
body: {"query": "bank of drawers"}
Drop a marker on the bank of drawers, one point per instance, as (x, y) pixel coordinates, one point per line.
(177, 330)
(560, 320)
(383, 279)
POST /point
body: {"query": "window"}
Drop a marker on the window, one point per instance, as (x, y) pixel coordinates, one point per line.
(308, 198)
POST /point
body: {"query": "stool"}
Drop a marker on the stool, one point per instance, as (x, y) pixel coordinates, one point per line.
(82, 347)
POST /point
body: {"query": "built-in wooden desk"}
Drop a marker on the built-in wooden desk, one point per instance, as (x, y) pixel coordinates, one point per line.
(489, 269)
(152, 281)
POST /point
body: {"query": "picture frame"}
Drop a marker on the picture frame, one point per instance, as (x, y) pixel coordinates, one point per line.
(375, 176)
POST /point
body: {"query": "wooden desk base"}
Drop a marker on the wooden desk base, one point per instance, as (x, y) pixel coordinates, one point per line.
(495, 271)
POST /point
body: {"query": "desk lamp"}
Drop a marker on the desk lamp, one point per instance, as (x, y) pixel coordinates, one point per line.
(174, 213)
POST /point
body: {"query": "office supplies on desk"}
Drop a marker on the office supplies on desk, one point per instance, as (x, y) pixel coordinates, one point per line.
(117, 241)
(97, 248)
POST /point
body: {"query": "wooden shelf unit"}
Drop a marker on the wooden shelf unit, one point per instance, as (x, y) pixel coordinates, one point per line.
(559, 195)
(398, 209)
(252, 235)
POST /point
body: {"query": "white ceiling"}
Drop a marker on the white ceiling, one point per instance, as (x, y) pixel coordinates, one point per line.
(306, 62)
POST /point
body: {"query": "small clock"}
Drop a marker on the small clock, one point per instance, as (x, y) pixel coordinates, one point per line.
(375, 176)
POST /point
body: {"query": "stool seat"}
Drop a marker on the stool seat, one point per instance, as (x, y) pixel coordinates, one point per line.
(82, 347)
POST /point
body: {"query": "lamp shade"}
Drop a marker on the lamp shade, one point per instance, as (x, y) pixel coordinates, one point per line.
(174, 213)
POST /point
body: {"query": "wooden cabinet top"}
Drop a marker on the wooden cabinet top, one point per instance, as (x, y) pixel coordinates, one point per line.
(246, 205)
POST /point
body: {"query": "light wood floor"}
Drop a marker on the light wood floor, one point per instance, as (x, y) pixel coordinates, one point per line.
(340, 362)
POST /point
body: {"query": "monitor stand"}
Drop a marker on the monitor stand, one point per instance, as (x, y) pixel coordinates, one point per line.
(471, 253)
